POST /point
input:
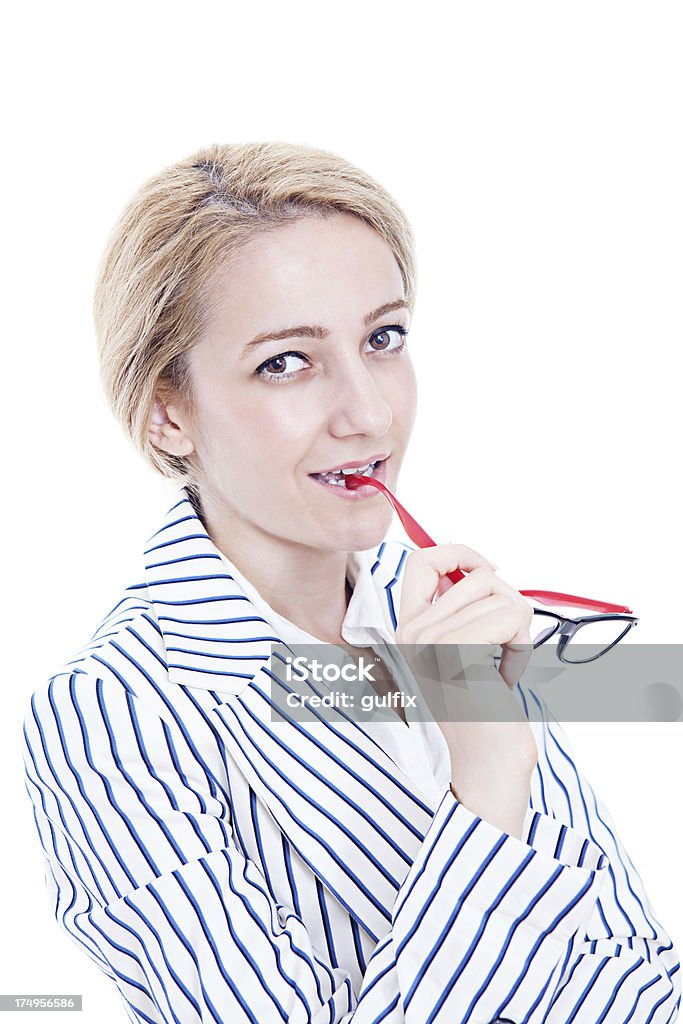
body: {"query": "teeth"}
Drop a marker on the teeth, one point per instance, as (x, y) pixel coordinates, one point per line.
(337, 477)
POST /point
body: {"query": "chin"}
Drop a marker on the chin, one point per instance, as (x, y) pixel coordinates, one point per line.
(367, 531)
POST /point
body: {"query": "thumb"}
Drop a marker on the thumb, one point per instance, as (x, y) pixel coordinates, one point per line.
(514, 660)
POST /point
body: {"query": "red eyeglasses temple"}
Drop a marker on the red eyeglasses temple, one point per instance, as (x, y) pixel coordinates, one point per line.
(570, 600)
(420, 537)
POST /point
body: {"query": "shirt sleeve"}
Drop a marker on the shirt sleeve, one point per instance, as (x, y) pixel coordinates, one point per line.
(624, 967)
(485, 926)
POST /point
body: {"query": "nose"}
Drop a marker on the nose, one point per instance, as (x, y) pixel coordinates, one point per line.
(358, 406)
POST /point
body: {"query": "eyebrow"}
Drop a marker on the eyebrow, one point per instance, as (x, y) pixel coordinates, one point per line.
(315, 331)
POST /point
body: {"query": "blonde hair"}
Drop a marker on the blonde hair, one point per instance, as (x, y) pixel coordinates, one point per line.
(178, 228)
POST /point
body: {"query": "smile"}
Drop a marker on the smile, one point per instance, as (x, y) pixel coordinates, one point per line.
(334, 479)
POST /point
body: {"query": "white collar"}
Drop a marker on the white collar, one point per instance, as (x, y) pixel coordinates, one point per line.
(366, 620)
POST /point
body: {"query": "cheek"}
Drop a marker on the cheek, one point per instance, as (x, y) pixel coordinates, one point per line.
(280, 433)
(239, 436)
(279, 423)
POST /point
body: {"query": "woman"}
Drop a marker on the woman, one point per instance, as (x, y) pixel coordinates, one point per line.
(252, 312)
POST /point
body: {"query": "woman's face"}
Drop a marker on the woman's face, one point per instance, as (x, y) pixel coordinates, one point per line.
(302, 368)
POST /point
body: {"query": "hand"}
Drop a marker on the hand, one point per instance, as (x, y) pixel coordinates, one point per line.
(491, 761)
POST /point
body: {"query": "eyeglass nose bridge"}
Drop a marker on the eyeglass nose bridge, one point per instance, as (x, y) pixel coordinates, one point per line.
(568, 628)
(566, 631)
(563, 629)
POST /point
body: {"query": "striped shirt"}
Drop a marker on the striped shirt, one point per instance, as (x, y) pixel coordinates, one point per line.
(220, 867)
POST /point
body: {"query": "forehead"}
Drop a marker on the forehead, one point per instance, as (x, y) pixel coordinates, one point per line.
(314, 266)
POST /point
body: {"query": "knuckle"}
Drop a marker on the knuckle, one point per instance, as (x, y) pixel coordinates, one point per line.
(462, 551)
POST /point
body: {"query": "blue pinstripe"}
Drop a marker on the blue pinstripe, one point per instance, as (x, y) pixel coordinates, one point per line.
(169, 813)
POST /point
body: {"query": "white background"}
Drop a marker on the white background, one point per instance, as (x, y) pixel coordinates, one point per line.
(536, 148)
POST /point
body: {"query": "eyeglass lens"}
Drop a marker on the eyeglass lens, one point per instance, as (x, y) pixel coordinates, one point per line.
(599, 634)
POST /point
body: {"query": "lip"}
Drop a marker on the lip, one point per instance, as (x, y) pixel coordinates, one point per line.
(358, 493)
(380, 457)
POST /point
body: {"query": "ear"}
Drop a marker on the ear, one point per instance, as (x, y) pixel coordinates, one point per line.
(166, 430)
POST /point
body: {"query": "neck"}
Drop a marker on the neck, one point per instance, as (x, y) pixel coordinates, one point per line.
(306, 585)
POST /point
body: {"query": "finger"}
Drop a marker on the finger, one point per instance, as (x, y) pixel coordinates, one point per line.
(514, 661)
(501, 625)
(490, 630)
(475, 610)
(481, 582)
(425, 567)
(432, 629)
(478, 585)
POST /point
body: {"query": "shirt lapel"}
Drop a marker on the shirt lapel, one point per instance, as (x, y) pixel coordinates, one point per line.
(343, 803)
(214, 637)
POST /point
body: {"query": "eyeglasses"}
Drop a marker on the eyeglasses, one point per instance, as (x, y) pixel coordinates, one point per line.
(601, 630)
(597, 633)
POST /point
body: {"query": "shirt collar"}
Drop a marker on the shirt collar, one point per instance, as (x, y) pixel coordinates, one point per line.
(365, 622)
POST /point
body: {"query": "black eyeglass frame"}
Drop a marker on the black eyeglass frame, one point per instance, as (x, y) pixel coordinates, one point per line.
(569, 627)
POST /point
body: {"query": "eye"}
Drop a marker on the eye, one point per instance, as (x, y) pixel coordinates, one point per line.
(383, 336)
(391, 341)
(274, 369)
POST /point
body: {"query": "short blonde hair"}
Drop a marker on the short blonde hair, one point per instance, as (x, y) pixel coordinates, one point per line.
(178, 228)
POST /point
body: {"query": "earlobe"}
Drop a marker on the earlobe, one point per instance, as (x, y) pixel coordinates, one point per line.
(167, 434)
